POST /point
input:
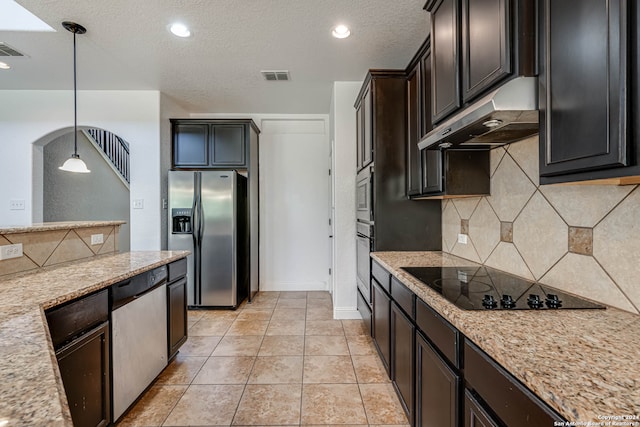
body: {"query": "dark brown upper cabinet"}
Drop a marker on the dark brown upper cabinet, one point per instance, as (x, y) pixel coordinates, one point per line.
(445, 58)
(364, 123)
(475, 44)
(210, 144)
(191, 144)
(486, 45)
(588, 86)
(418, 113)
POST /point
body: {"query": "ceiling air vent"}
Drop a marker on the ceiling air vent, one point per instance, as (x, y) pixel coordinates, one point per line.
(276, 75)
(6, 50)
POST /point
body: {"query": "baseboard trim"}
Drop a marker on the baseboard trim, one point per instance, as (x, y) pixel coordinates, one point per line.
(346, 313)
(293, 286)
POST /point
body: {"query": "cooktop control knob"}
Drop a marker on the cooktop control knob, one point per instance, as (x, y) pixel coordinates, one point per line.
(489, 302)
(507, 301)
(534, 301)
(553, 301)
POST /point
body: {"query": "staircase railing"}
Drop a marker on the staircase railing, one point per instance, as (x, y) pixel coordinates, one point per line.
(115, 149)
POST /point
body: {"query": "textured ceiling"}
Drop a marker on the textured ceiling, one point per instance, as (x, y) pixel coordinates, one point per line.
(127, 46)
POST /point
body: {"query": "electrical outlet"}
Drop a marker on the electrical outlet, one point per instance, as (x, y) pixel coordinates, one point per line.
(11, 251)
(138, 203)
(97, 239)
(462, 238)
(16, 205)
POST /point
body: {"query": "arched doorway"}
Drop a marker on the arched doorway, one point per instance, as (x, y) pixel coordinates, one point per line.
(102, 194)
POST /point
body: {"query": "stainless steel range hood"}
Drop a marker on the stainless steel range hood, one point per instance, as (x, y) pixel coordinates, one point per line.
(508, 114)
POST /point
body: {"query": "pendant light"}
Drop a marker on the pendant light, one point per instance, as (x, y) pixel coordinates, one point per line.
(74, 163)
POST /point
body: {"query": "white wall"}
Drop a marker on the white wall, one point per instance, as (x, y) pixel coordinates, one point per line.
(343, 133)
(29, 116)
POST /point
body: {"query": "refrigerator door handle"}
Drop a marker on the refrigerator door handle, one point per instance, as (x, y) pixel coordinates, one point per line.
(196, 238)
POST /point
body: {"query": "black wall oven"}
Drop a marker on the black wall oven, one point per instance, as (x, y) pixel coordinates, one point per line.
(364, 195)
(364, 246)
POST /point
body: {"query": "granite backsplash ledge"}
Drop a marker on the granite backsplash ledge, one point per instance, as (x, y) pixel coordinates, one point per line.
(584, 239)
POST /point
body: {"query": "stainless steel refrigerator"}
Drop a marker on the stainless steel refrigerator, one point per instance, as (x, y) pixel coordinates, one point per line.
(208, 216)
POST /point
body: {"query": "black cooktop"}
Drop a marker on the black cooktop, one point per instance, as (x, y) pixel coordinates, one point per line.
(483, 288)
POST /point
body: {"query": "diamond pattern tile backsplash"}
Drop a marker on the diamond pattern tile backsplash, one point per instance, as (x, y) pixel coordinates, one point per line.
(584, 239)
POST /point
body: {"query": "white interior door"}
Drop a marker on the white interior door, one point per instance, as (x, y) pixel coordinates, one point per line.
(294, 201)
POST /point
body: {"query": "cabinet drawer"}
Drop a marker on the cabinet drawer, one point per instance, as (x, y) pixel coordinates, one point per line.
(445, 337)
(403, 297)
(511, 401)
(177, 269)
(382, 276)
(70, 320)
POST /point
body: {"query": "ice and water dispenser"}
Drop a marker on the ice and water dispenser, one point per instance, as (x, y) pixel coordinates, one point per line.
(181, 221)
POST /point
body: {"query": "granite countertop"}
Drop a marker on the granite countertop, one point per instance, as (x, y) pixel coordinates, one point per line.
(583, 363)
(31, 391)
(62, 225)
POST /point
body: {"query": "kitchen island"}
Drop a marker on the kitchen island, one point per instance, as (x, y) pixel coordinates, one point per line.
(582, 363)
(31, 390)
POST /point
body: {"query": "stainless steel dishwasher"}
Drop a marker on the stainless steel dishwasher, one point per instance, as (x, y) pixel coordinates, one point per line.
(138, 335)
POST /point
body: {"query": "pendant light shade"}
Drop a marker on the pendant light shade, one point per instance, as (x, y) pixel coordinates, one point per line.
(74, 163)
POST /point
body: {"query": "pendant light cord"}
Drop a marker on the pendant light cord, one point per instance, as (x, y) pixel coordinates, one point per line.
(75, 100)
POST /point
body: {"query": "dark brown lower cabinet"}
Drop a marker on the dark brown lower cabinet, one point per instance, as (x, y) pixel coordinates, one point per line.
(437, 388)
(381, 323)
(176, 315)
(474, 414)
(84, 367)
(402, 351)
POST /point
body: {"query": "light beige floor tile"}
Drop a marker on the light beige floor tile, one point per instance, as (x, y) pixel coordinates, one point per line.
(182, 370)
(261, 304)
(323, 295)
(194, 314)
(282, 345)
(219, 314)
(289, 314)
(369, 369)
(381, 404)
(361, 345)
(292, 303)
(319, 313)
(286, 327)
(319, 345)
(225, 370)
(154, 406)
(245, 345)
(328, 369)
(324, 327)
(320, 303)
(293, 294)
(354, 327)
(248, 327)
(199, 346)
(255, 314)
(332, 404)
(276, 370)
(210, 327)
(190, 323)
(269, 405)
(206, 405)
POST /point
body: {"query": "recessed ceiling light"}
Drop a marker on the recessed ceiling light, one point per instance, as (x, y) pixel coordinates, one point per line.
(4, 66)
(179, 30)
(341, 31)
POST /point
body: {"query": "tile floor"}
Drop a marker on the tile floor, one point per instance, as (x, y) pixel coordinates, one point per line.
(279, 361)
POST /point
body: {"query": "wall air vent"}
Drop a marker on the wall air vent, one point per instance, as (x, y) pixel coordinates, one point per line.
(6, 50)
(276, 75)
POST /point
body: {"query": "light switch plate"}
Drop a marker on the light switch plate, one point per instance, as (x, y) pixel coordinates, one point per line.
(462, 238)
(10, 251)
(138, 203)
(97, 239)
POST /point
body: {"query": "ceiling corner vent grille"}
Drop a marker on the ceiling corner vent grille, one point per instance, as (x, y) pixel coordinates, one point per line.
(276, 75)
(6, 50)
